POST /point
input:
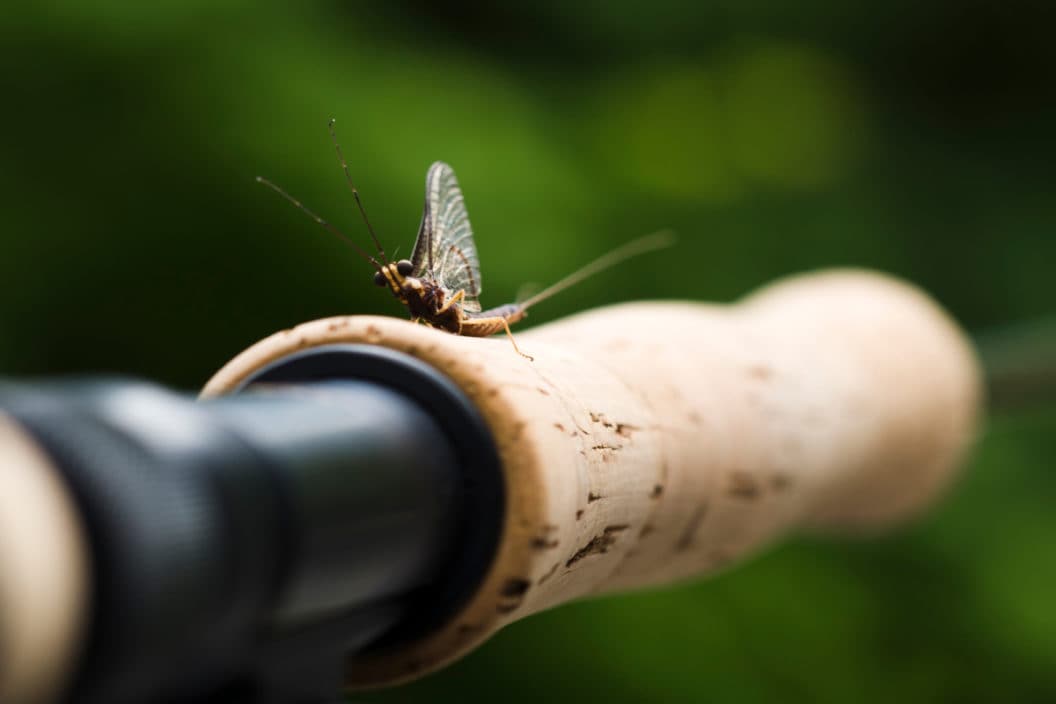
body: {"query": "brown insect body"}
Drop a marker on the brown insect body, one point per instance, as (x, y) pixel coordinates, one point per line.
(425, 301)
(491, 321)
(440, 284)
(428, 303)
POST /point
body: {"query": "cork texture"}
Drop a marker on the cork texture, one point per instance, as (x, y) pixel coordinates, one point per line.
(653, 442)
(45, 576)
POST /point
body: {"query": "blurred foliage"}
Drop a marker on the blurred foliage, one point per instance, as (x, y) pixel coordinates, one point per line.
(910, 137)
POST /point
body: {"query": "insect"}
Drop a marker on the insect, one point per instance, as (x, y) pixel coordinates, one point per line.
(440, 284)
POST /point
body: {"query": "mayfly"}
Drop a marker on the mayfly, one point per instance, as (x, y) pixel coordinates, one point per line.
(440, 284)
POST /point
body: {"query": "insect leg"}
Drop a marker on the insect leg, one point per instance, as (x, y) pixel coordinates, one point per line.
(506, 327)
(454, 299)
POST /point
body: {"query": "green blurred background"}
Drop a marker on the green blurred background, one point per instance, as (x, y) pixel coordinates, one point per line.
(773, 137)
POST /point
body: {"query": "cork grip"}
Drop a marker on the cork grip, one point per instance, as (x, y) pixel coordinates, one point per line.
(653, 442)
(45, 580)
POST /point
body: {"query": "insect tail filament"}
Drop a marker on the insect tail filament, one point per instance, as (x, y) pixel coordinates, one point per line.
(648, 243)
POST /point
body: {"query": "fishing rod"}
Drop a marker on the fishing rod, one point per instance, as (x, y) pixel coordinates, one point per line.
(360, 500)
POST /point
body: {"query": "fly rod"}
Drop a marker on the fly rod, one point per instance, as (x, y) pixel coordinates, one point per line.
(375, 498)
(648, 443)
(158, 549)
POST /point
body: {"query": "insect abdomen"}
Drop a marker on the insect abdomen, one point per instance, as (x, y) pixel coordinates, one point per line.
(489, 322)
(512, 312)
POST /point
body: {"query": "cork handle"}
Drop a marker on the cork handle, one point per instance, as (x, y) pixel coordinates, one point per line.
(653, 442)
(45, 575)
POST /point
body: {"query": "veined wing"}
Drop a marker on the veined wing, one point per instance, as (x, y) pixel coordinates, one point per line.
(444, 251)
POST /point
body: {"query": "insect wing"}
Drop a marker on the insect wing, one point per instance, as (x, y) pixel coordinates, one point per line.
(444, 251)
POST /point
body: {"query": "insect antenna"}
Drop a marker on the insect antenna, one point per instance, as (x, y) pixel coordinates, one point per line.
(337, 233)
(355, 191)
(648, 243)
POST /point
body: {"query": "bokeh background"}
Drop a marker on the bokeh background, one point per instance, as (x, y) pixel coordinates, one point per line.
(911, 137)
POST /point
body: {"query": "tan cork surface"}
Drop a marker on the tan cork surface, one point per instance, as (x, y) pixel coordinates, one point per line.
(652, 442)
(44, 572)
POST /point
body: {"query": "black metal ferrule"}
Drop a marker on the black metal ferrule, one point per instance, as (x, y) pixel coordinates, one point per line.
(349, 497)
(480, 490)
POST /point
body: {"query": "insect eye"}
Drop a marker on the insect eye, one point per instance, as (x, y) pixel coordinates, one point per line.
(405, 267)
(379, 279)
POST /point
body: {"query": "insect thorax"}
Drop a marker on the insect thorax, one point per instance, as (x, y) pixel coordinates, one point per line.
(424, 300)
